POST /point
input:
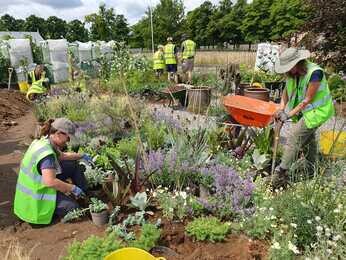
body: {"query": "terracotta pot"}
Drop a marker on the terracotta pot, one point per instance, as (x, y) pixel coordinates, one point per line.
(257, 93)
(241, 88)
(100, 218)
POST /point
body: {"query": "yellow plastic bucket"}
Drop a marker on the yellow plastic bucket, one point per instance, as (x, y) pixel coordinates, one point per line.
(131, 253)
(23, 86)
(328, 139)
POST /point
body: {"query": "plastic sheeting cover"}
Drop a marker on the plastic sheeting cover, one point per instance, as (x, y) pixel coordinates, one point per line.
(4, 49)
(56, 51)
(19, 51)
(85, 53)
(59, 72)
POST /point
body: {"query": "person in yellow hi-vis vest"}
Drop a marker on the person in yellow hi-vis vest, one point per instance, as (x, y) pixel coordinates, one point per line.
(159, 61)
(38, 82)
(308, 102)
(188, 49)
(171, 60)
(42, 190)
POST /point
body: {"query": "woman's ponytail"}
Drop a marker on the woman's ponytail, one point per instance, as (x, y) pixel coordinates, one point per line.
(46, 128)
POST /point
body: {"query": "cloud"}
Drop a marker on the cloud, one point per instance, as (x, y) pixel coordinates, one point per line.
(69, 10)
(59, 4)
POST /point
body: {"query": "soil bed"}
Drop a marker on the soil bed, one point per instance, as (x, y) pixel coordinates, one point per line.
(13, 105)
(183, 247)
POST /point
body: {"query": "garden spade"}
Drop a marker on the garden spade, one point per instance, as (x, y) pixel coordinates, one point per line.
(278, 126)
(10, 71)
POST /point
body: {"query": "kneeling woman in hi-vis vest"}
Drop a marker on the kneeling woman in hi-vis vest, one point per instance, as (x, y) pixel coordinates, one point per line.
(308, 102)
(41, 190)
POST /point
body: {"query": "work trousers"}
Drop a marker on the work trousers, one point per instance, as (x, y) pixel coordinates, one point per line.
(70, 170)
(301, 139)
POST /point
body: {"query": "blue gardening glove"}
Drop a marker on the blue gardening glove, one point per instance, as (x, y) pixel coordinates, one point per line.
(87, 158)
(77, 191)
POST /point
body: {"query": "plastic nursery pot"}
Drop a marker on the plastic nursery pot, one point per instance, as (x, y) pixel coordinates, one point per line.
(100, 219)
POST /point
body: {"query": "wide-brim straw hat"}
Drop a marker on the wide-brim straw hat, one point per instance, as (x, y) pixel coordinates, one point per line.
(289, 58)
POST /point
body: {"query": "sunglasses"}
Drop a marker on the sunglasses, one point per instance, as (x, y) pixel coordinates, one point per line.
(68, 138)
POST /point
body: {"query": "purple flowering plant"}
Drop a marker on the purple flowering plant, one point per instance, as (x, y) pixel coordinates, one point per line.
(232, 193)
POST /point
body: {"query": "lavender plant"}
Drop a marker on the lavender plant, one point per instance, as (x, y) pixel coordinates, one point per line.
(233, 194)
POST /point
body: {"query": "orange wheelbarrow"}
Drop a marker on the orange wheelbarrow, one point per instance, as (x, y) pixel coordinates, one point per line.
(249, 111)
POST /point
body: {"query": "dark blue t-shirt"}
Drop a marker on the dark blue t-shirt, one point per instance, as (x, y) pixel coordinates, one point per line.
(316, 76)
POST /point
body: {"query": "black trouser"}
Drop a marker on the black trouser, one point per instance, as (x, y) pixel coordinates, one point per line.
(72, 170)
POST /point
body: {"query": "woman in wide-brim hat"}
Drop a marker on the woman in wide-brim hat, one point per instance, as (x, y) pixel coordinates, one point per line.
(307, 101)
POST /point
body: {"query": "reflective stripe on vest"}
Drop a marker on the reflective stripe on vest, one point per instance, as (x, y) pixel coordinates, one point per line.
(321, 107)
(27, 169)
(35, 196)
(158, 59)
(189, 49)
(169, 54)
(317, 103)
(32, 76)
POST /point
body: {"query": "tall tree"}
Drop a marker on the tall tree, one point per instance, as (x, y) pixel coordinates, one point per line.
(197, 20)
(168, 20)
(216, 28)
(140, 34)
(230, 24)
(256, 25)
(286, 17)
(57, 28)
(121, 28)
(106, 25)
(76, 32)
(9, 23)
(34, 23)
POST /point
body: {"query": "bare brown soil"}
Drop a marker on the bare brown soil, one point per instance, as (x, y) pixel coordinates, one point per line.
(235, 247)
(13, 105)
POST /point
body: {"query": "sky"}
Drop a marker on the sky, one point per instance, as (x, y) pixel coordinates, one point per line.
(77, 9)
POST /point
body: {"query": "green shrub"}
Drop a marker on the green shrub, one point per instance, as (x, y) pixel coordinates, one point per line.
(337, 86)
(148, 238)
(208, 228)
(128, 147)
(154, 134)
(96, 248)
(93, 248)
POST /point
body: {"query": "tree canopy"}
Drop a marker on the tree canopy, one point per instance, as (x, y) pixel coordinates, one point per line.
(106, 25)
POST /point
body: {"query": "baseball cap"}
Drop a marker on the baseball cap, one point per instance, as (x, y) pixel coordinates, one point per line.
(64, 125)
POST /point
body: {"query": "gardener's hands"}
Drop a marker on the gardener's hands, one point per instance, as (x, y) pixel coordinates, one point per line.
(281, 115)
(78, 192)
(87, 158)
